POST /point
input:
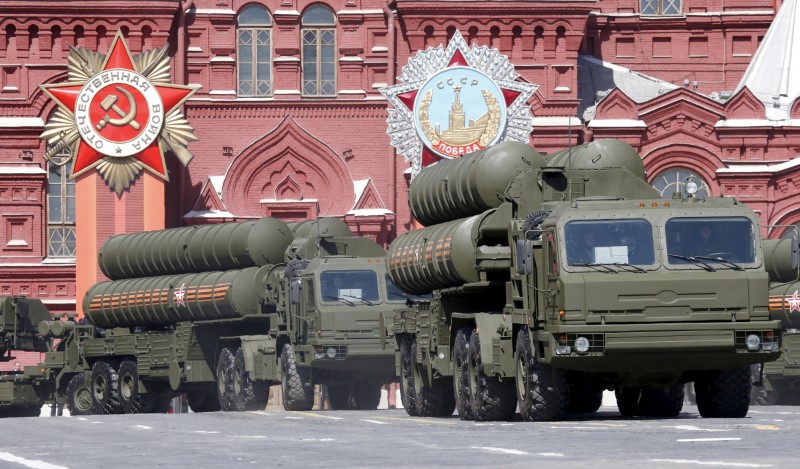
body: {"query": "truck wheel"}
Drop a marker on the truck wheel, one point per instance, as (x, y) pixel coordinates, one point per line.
(724, 393)
(366, 395)
(460, 375)
(79, 396)
(661, 401)
(296, 395)
(105, 388)
(203, 400)
(407, 365)
(339, 396)
(584, 397)
(492, 399)
(542, 391)
(129, 398)
(225, 380)
(249, 394)
(434, 400)
(628, 400)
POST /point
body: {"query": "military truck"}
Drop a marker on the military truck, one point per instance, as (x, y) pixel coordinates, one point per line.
(221, 312)
(554, 279)
(778, 382)
(22, 392)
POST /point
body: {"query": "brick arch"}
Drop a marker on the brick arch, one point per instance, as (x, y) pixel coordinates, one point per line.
(787, 216)
(288, 164)
(692, 157)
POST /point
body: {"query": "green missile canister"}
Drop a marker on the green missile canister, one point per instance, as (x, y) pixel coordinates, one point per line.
(189, 249)
(469, 185)
(160, 301)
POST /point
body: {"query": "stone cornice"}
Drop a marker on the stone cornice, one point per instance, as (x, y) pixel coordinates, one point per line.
(196, 109)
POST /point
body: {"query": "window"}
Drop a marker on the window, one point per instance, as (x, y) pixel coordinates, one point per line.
(710, 240)
(319, 52)
(395, 295)
(253, 53)
(626, 242)
(675, 179)
(660, 7)
(60, 207)
(348, 286)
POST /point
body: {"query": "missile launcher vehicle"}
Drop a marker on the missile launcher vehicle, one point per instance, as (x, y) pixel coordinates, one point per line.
(221, 312)
(554, 279)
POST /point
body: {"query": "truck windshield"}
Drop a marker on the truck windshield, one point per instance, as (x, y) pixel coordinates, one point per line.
(609, 242)
(711, 239)
(348, 285)
(396, 295)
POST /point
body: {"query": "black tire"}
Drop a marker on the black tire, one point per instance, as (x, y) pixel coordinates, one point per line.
(628, 400)
(434, 400)
(129, 398)
(225, 380)
(491, 398)
(339, 396)
(296, 394)
(365, 395)
(203, 400)
(724, 393)
(407, 364)
(532, 222)
(542, 391)
(105, 388)
(662, 401)
(460, 374)
(79, 396)
(295, 268)
(248, 394)
(584, 398)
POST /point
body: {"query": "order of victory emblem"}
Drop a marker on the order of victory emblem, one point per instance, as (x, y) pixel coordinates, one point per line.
(455, 101)
(118, 113)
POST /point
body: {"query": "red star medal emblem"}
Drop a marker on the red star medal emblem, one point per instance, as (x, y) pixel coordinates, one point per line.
(119, 112)
(794, 302)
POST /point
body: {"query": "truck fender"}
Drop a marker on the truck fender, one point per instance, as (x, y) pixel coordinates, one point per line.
(491, 326)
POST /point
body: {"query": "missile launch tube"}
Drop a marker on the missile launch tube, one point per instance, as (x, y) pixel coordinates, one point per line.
(160, 301)
(784, 304)
(438, 256)
(461, 187)
(217, 247)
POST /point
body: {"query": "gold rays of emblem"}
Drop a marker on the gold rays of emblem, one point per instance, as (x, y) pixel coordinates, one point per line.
(118, 172)
(483, 134)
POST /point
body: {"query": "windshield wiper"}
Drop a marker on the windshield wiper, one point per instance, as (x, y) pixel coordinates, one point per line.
(359, 298)
(721, 260)
(695, 261)
(633, 268)
(338, 298)
(596, 266)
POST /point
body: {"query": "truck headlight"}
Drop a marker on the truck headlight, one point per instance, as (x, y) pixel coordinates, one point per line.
(582, 344)
(753, 342)
(331, 352)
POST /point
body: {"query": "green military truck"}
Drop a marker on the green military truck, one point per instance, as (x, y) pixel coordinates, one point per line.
(778, 382)
(556, 279)
(22, 392)
(221, 312)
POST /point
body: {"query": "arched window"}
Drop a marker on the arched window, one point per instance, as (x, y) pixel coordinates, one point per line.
(660, 7)
(675, 179)
(254, 51)
(60, 206)
(319, 51)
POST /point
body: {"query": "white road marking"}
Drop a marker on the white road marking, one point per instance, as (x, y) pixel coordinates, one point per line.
(317, 439)
(698, 429)
(261, 412)
(514, 451)
(143, 427)
(711, 463)
(32, 463)
(293, 418)
(206, 431)
(696, 440)
(374, 421)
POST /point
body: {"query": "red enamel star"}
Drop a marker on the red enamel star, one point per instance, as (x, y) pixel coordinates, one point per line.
(119, 112)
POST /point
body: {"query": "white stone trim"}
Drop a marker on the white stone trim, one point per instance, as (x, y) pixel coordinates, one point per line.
(616, 123)
(14, 122)
(17, 169)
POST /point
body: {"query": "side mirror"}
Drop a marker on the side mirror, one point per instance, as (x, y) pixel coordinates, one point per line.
(524, 256)
(294, 291)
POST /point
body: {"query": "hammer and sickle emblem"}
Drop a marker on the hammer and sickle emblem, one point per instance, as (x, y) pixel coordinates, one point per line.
(123, 119)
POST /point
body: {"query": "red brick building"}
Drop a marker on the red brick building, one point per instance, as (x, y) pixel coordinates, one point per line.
(291, 123)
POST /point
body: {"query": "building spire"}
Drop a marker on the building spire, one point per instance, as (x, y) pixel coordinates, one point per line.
(774, 73)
